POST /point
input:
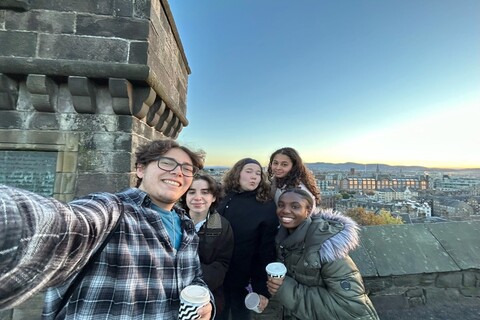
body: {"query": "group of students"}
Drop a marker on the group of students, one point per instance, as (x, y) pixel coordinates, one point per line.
(128, 255)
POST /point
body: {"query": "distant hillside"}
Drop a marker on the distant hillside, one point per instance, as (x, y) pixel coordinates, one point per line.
(326, 166)
(361, 167)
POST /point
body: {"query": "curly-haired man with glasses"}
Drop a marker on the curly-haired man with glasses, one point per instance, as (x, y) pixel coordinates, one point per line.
(149, 257)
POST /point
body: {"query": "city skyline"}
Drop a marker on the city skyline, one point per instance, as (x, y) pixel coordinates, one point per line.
(367, 82)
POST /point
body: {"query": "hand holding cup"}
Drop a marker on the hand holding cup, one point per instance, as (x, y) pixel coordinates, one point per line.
(276, 272)
(194, 303)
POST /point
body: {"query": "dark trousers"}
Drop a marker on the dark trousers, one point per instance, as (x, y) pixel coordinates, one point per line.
(235, 305)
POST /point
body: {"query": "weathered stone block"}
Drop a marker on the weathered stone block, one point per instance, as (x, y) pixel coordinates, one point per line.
(97, 7)
(18, 44)
(418, 292)
(83, 94)
(39, 20)
(65, 182)
(138, 52)
(82, 48)
(104, 162)
(17, 5)
(390, 302)
(43, 91)
(8, 93)
(378, 284)
(449, 280)
(118, 27)
(69, 161)
(470, 292)
(411, 280)
(44, 121)
(123, 8)
(416, 301)
(11, 120)
(102, 182)
(427, 279)
(469, 279)
(438, 295)
(2, 25)
(141, 9)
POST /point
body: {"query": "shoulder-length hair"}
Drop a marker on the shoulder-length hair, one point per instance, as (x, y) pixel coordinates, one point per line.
(214, 188)
(298, 174)
(231, 180)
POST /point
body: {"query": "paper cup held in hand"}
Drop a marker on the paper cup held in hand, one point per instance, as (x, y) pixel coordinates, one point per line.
(252, 302)
(191, 298)
(276, 270)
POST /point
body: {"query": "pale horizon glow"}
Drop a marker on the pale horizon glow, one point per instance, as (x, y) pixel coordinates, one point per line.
(394, 82)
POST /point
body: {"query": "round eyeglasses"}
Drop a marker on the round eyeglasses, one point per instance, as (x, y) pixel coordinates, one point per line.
(169, 164)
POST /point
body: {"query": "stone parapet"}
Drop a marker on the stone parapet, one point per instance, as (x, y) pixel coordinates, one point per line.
(407, 266)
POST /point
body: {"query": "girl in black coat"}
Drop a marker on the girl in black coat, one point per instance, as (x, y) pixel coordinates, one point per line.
(214, 231)
(251, 212)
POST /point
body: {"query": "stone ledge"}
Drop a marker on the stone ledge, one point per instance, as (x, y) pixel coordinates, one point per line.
(117, 97)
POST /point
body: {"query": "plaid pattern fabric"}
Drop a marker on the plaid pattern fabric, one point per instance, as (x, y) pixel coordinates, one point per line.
(44, 243)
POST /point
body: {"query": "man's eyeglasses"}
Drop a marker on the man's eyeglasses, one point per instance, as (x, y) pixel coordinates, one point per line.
(169, 164)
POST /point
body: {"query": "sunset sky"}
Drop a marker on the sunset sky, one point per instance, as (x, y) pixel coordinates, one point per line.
(395, 82)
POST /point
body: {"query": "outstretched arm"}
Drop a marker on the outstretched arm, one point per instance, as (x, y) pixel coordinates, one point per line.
(44, 241)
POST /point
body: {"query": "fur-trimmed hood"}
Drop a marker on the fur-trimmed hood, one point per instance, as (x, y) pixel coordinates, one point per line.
(338, 234)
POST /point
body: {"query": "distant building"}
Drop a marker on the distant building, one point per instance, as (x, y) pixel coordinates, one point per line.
(366, 184)
(452, 208)
(446, 183)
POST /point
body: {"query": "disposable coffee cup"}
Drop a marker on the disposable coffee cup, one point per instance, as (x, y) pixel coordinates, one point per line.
(191, 298)
(276, 270)
(252, 302)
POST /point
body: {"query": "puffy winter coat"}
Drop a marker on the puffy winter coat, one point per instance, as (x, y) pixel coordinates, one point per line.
(322, 281)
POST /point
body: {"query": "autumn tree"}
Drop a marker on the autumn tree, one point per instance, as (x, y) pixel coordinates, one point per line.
(367, 218)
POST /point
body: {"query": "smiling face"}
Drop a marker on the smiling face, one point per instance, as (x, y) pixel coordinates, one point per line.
(292, 210)
(164, 187)
(199, 198)
(281, 165)
(250, 177)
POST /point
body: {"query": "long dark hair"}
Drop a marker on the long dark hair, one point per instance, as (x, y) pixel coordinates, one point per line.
(231, 180)
(298, 174)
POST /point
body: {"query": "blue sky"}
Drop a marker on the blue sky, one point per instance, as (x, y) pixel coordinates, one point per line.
(394, 82)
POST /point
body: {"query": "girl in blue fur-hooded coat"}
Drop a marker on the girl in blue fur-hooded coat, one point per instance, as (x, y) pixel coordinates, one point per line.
(322, 281)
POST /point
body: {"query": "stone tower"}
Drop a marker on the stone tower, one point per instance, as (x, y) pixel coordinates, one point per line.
(82, 83)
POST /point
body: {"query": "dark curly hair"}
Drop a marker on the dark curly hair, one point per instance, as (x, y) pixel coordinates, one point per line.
(154, 149)
(214, 187)
(298, 174)
(231, 180)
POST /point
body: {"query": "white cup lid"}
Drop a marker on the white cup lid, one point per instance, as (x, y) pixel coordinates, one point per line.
(194, 294)
(252, 300)
(276, 268)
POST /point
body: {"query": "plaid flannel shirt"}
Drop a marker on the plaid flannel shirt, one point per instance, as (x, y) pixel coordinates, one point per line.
(138, 275)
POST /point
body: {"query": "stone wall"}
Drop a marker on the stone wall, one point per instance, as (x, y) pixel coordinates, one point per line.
(406, 266)
(89, 81)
